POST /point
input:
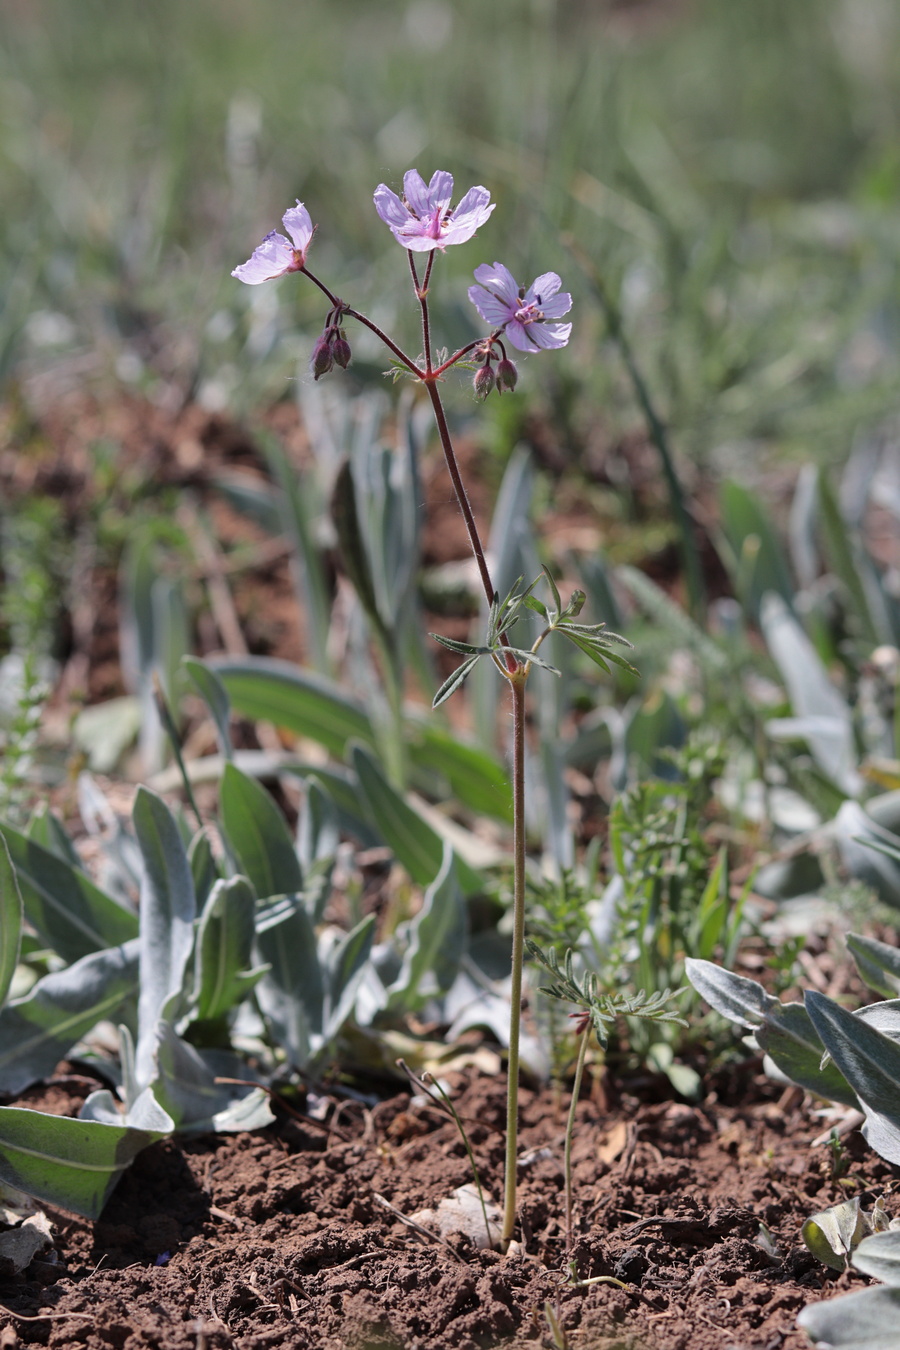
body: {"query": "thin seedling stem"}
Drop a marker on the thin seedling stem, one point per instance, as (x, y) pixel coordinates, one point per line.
(517, 684)
(570, 1131)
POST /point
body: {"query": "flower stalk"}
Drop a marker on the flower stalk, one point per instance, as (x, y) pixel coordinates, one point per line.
(423, 221)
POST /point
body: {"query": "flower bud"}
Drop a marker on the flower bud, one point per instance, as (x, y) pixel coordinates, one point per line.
(484, 381)
(340, 350)
(322, 358)
(507, 375)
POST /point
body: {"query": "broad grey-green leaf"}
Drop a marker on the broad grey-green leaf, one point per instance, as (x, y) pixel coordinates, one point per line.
(879, 1256)
(307, 704)
(868, 1059)
(869, 1320)
(215, 696)
(204, 868)
(345, 968)
(37, 1031)
(821, 715)
(755, 559)
(222, 977)
(734, 996)
(416, 846)
(168, 909)
(832, 1234)
(11, 914)
(436, 942)
(318, 836)
(292, 993)
(790, 1039)
(477, 780)
(71, 1163)
(868, 851)
(259, 836)
(187, 1090)
(70, 913)
(48, 830)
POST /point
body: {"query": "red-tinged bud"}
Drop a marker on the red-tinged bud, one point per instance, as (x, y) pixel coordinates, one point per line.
(322, 359)
(507, 375)
(484, 381)
(340, 350)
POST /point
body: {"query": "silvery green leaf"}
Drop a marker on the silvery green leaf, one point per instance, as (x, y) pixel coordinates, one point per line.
(734, 996)
(868, 1059)
(436, 939)
(869, 1320)
(415, 844)
(186, 1089)
(790, 1039)
(11, 914)
(879, 1256)
(877, 962)
(309, 705)
(259, 836)
(167, 911)
(476, 778)
(71, 1163)
(344, 969)
(215, 696)
(224, 944)
(865, 850)
(70, 913)
(292, 993)
(455, 681)
(318, 837)
(47, 829)
(37, 1031)
(821, 714)
(204, 868)
(832, 1235)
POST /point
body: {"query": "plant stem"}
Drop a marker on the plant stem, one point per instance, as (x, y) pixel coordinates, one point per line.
(570, 1130)
(517, 684)
(367, 323)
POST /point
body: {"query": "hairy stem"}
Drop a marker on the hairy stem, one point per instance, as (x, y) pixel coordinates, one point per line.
(570, 1131)
(517, 684)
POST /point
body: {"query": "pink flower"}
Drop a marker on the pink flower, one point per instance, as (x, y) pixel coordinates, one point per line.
(276, 255)
(423, 220)
(524, 315)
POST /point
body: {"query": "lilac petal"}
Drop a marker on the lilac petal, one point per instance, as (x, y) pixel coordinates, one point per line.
(499, 281)
(476, 202)
(440, 190)
(418, 243)
(416, 193)
(519, 334)
(557, 305)
(273, 257)
(491, 308)
(549, 335)
(299, 226)
(547, 284)
(389, 207)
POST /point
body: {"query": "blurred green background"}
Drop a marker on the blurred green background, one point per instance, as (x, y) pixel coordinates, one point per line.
(728, 170)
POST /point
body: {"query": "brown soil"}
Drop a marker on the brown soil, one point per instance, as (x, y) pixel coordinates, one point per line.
(274, 1239)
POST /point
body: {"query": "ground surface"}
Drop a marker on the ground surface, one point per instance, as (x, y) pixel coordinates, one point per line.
(274, 1239)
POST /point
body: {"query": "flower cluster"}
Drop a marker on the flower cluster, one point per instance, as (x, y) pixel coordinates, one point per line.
(422, 220)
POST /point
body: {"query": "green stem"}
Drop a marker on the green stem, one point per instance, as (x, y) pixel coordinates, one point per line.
(517, 684)
(570, 1131)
